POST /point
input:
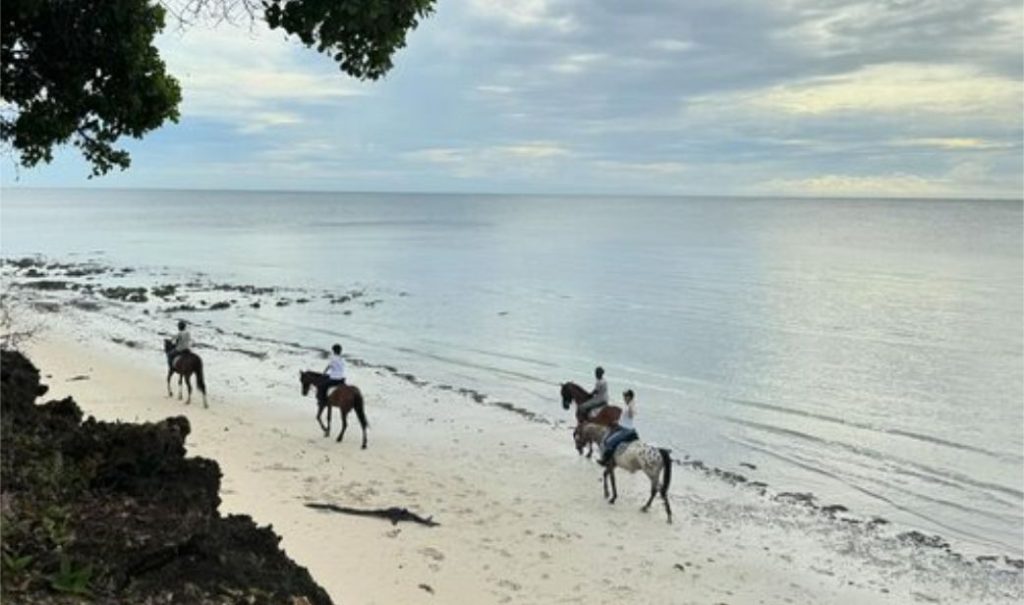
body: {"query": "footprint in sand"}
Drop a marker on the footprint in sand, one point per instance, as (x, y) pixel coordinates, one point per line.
(432, 553)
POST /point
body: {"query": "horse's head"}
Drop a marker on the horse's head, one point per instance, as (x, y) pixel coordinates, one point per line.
(566, 395)
(307, 379)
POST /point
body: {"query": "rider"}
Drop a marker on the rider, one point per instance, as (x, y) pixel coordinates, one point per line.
(598, 398)
(333, 375)
(621, 432)
(182, 343)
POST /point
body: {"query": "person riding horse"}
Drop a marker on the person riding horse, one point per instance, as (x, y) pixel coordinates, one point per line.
(598, 397)
(334, 374)
(622, 431)
(182, 343)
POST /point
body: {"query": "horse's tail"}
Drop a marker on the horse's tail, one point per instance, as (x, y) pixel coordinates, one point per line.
(667, 462)
(199, 375)
(357, 404)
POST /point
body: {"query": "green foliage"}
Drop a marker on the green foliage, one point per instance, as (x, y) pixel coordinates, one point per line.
(83, 72)
(86, 73)
(15, 565)
(70, 579)
(361, 35)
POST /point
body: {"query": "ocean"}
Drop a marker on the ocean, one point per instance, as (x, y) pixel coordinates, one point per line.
(866, 351)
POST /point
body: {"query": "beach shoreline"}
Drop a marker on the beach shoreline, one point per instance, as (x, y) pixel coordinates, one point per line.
(521, 515)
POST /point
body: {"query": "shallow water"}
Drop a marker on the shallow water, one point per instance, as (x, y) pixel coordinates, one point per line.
(868, 351)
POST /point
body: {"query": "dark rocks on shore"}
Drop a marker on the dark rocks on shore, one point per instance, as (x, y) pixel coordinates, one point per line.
(116, 513)
(132, 295)
(804, 498)
(164, 291)
(832, 509)
(46, 284)
(182, 308)
(244, 289)
(920, 539)
(219, 306)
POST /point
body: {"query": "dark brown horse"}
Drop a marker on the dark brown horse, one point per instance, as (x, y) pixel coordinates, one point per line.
(574, 393)
(185, 365)
(344, 397)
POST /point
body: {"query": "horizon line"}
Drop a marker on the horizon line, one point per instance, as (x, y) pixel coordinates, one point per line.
(520, 194)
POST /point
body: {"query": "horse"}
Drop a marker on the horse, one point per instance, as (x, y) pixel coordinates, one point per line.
(587, 435)
(606, 415)
(633, 456)
(185, 365)
(344, 397)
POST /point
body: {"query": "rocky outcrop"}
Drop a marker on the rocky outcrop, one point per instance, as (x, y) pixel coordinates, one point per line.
(117, 513)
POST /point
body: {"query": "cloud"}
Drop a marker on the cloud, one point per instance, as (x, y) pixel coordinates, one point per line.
(954, 143)
(842, 185)
(879, 97)
(672, 45)
(577, 62)
(901, 87)
(524, 14)
(254, 80)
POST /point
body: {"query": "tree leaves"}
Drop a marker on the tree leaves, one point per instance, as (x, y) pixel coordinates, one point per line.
(360, 35)
(82, 72)
(85, 72)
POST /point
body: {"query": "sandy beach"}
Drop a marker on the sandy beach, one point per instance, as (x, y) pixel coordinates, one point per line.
(522, 519)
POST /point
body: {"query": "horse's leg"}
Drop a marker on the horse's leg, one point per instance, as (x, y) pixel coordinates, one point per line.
(170, 372)
(615, 491)
(344, 423)
(607, 471)
(188, 383)
(181, 378)
(654, 488)
(319, 414)
(590, 449)
(327, 433)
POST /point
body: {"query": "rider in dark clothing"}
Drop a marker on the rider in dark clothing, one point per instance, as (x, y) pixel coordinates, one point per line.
(182, 343)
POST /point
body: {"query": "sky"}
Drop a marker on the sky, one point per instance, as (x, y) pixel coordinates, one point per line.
(886, 98)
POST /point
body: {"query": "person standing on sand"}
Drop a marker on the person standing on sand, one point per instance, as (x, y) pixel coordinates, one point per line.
(598, 398)
(182, 343)
(621, 432)
(333, 375)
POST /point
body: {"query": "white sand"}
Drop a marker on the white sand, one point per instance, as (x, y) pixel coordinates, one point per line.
(522, 516)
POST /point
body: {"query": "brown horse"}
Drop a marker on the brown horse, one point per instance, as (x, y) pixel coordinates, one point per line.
(344, 397)
(574, 393)
(185, 365)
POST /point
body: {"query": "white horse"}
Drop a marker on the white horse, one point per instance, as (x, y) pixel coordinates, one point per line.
(633, 456)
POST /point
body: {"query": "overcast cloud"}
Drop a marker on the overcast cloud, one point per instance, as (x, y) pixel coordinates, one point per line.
(795, 97)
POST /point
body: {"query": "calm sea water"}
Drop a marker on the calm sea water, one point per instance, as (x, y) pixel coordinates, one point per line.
(869, 351)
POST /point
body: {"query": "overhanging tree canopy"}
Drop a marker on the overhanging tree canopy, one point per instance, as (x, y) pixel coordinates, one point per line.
(86, 73)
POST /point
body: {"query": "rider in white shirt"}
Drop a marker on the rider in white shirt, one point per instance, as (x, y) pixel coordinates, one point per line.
(334, 374)
(621, 432)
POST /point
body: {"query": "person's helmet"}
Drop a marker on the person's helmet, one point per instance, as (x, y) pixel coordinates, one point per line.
(337, 349)
(181, 325)
(628, 394)
(599, 371)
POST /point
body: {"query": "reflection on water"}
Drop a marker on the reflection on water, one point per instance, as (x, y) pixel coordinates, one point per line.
(869, 351)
